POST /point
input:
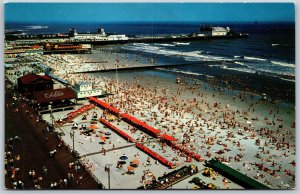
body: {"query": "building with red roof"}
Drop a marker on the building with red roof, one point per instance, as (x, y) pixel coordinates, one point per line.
(30, 83)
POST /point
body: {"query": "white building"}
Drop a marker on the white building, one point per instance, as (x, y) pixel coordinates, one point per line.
(99, 36)
(219, 31)
(214, 31)
(85, 89)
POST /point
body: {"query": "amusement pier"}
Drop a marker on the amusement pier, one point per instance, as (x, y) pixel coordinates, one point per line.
(102, 38)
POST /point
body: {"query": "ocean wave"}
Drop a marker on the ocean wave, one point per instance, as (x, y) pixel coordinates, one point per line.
(275, 44)
(281, 45)
(213, 65)
(290, 80)
(255, 58)
(276, 72)
(140, 44)
(37, 27)
(240, 57)
(240, 63)
(283, 64)
(245, 70)
(183, 72)
(187, 55)
(165, 44)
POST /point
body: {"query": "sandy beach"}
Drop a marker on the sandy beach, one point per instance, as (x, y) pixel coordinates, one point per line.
(253, 136)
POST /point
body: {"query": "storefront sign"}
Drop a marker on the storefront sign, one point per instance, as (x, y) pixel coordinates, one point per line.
(53, 94)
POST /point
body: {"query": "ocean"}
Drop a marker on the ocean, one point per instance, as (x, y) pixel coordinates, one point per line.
(269, 51)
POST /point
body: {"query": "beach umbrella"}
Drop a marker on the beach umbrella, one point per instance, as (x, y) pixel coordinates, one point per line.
(123, 157)
(135, 163)
(107, 133)
(208, 172)
(130, 168)
(93, 127)
(102, 138)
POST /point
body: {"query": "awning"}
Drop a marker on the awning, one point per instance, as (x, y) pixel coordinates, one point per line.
(54, 95)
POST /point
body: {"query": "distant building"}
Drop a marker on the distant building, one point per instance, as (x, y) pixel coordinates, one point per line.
(99, 36)
(23, 51)
(67, 48)
(214, 31)
(85, 89)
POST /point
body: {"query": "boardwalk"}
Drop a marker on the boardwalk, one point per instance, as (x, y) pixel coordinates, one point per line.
(34, 149)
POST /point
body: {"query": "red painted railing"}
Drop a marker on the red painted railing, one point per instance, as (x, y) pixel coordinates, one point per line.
(155, 155)
(105, 105)
(134, 121)
(118, 131)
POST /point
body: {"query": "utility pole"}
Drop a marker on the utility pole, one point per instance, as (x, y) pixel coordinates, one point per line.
(117, 76)
(73, 140)
(51, 115)
(107, 169)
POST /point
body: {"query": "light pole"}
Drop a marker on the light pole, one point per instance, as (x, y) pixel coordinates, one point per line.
(117, 76)
(107, 169)
(72, 136)
(73, 141)
(51, 115)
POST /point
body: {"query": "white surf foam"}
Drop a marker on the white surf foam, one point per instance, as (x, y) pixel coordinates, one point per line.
(240, 63)
(165, 44)
(236, 56)
(283, 64)
(183, 72)
(255, 58)
(245, 70)
(290, 80)
(275, 44)
(187, 55)
(36, 27)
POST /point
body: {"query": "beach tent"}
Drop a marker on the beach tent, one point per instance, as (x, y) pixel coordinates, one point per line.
(75, 125)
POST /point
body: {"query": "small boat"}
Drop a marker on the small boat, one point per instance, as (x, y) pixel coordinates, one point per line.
(181, 43)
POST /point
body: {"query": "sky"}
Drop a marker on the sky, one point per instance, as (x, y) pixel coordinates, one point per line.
(149, 12)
